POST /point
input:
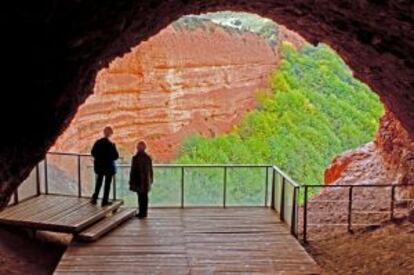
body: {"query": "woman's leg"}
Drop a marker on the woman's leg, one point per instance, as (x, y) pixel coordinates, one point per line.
(139, 205)
(145, 204)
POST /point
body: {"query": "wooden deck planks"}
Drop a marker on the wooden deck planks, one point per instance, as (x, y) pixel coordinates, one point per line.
(193, 241)
(55, 213)
(106, 225)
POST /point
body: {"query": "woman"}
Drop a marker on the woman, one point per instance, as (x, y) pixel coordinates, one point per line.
(141, 178)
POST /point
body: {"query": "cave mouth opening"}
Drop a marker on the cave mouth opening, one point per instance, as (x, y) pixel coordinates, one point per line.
(79, 49)
(224, 58)
(207, 80)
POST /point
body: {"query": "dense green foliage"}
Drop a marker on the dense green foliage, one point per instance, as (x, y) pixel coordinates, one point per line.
(314, 111)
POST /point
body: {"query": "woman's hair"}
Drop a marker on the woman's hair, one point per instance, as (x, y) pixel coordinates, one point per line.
(141, 146)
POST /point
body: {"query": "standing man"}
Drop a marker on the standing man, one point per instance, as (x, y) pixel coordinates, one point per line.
(104, 153)
(141, 178)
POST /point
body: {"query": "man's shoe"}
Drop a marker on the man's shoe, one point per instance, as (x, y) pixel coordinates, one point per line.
(93, 201)
(106, 203)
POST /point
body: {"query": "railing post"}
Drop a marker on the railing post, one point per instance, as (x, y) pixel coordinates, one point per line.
(182, 186)
(392, 202)
(282, 200)
(305, 215)
(46, 177)
(350, 209)
(266, 186)
(114, 187)
(272, 199)
(38, 191)
(80, 178)
(224, 186)
(294, 206)
(16, 196)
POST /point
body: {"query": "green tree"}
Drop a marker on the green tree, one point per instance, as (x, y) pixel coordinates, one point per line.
(316, 110)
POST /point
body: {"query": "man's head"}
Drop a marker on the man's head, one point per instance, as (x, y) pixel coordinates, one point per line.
(141, 146)
(108, 132)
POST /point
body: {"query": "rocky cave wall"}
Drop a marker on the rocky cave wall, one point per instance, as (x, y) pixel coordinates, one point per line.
(179, 82)
(54, 49)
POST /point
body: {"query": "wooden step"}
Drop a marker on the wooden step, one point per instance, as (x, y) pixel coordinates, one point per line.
(92, 219)
(109, 223)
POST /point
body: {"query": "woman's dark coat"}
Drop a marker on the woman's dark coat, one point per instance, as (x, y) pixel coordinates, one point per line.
(141, 175)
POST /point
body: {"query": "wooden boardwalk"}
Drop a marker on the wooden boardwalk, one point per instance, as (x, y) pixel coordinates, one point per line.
(55, 213)
(193, 241)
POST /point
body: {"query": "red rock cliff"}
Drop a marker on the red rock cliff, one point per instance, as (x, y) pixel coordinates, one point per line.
(387, 160)
(177, 83)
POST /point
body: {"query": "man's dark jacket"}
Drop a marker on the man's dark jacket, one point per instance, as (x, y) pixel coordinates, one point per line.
(104, 153)
(141, 175)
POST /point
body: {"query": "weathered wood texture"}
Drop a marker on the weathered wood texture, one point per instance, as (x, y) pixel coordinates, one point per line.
(56, 213)
(193, 241)
(106, 225)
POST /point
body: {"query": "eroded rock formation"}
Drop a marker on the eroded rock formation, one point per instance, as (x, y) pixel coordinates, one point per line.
(61, 45)
(179, 82)
(387, 160)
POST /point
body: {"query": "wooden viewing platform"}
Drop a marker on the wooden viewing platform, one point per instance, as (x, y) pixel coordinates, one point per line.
(193, 241)
(206, 240)
(248, 240)
(56, 213)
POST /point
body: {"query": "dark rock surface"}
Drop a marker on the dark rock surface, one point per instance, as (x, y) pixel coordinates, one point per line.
(54, 48)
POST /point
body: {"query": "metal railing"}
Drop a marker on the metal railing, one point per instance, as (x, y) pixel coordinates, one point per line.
(285, 198)
(29, 188)
(176, 185)
(217, 185)
(72, 166)
(209, 179)
(344, 210)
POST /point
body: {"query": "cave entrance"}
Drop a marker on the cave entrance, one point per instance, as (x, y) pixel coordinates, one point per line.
(200, 74)
(227, 88)
(70, 41)
(70, 47)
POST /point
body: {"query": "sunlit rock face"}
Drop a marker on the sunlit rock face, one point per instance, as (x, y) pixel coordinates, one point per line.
(387, 160)
(179, 82)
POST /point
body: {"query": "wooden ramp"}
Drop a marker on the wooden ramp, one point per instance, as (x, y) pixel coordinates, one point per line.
(193, 241)
(55, 213)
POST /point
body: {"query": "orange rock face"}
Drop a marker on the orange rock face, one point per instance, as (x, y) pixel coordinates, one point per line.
(397, 149)
(177, 83)
(387, 160)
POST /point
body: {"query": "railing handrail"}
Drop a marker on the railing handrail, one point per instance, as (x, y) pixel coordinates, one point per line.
(283, 174)
(195, 165)
(350, 200)
(356, 185)
(68, 154)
